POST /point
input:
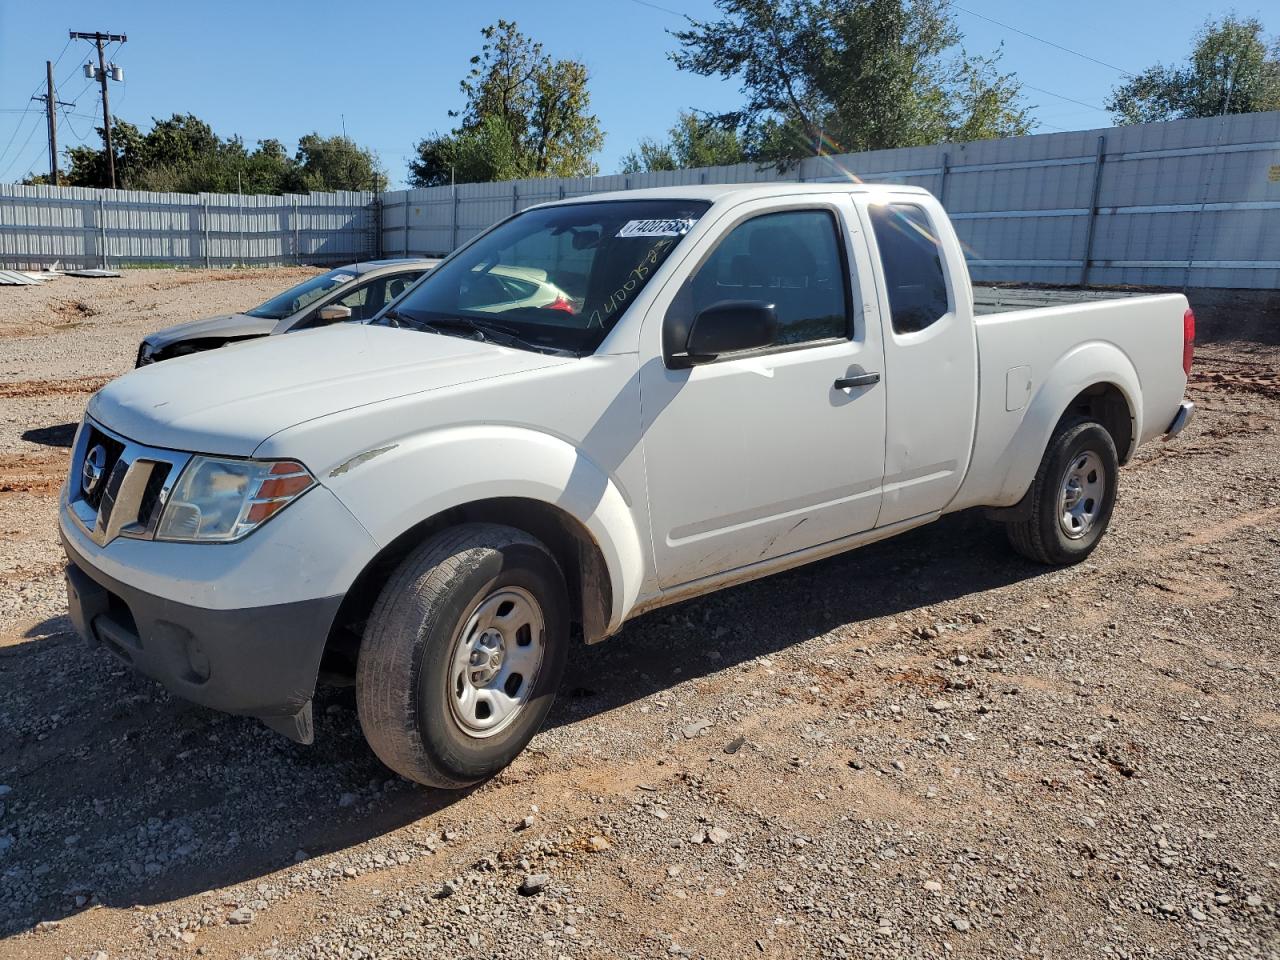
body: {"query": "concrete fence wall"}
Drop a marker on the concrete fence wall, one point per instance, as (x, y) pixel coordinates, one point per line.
(1191, 202)
(112, 228)
(1186, 203)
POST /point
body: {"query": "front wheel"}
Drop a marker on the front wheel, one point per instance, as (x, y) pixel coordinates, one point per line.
(463, 655)
(1071, 498)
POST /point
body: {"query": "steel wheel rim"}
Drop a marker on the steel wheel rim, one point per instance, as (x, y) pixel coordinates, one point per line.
(1084, 484)
(498, 651)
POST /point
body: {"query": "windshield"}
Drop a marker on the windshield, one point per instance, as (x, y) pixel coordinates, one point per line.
(557, 278)
(295, 298)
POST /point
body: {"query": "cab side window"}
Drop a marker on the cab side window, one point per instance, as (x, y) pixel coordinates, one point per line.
(912, 260)
(791, 259)
(368, 299)
(397, 285)
(361, 299)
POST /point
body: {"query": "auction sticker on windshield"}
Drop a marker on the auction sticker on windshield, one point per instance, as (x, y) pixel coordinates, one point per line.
(655, 228)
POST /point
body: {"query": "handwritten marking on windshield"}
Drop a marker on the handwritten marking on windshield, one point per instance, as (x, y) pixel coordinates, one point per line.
(618, 299)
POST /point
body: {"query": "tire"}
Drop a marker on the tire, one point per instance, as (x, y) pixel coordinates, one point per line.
(421, 696)
(1071, 498)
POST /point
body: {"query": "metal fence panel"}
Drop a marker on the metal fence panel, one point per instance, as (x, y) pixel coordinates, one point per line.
(1191, 202)
(109, 228)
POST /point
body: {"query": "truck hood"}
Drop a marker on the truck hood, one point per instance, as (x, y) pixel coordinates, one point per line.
(228, 401)
(224, 325)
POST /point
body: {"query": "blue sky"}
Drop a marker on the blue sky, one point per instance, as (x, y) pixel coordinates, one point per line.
(284, 68)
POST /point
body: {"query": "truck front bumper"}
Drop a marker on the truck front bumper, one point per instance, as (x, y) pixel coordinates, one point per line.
(259, 661)
(1186, 410)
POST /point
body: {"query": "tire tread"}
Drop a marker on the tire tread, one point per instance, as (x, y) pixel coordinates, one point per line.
(1026, 536)
(388, 665)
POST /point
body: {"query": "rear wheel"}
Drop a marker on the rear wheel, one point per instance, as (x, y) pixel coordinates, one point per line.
(1071, 498)
(463, 655)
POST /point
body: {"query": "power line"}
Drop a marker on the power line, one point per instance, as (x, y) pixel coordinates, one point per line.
(1001, 23)
(18, 155)
(18, 126)
(1050, 93)
(66, 117)
(656, 6)
(22, 119)
(71, 75)
(61, 53)
(82, 90)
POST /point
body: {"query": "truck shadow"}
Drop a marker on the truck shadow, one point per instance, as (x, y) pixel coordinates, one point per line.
(125, 796)
(960, 555)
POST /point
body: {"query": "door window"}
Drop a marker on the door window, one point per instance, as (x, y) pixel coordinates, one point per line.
(791, 259)
(912, 258)
(368, 300)
(397, 285)
(359, 300)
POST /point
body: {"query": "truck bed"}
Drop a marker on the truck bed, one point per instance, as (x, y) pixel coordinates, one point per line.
(992, 299)
(1070, 340)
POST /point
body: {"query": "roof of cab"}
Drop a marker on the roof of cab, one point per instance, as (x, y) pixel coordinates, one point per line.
(712, 192)
(368, 266)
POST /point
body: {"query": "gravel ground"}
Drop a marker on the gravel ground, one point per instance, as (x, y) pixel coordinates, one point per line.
(925, 748)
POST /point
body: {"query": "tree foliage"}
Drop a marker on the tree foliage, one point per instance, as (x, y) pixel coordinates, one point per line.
(526, 115)
(1232, 69)
(694, 141)
(183, 154)
(848, 75)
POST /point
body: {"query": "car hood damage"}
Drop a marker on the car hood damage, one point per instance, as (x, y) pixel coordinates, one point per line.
(228, 401)
(226, 326)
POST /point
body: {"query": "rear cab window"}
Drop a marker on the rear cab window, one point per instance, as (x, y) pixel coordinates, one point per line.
(911, 258)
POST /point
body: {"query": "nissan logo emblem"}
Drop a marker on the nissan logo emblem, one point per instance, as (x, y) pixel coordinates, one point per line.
(95, 464)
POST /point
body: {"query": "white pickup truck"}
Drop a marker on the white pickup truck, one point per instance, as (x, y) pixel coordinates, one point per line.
(594, 408)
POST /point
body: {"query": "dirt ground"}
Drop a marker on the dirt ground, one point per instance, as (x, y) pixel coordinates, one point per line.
(926, 748)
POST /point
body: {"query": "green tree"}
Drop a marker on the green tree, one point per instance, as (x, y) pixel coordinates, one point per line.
(87, 167)
(183, 154)
(481, 154)
(693, 141)
(847, 75)
(526, 115)
(1232, 69)
(338, 163)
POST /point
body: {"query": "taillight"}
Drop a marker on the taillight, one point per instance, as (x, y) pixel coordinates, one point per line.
(561, 303)
(1188, 340)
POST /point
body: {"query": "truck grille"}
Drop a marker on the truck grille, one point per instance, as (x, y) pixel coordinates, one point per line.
(118, 488)
(113, 449)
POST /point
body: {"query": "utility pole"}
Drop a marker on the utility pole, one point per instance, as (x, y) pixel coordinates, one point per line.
(99, 38)
(51, 104)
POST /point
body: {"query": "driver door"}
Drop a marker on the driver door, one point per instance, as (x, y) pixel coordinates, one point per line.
(759, 454)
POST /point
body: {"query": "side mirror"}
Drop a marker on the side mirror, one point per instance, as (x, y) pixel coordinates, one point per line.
(333, 314)
(729, 326)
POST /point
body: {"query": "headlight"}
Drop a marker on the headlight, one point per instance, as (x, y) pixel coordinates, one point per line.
(225, 500)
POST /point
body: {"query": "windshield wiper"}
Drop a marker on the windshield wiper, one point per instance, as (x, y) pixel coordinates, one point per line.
(487, 330)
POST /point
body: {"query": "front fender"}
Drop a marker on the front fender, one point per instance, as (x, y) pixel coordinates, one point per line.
(1086, 365)
(391, 490)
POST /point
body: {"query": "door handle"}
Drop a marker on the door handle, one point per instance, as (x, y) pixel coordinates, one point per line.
(861, 380)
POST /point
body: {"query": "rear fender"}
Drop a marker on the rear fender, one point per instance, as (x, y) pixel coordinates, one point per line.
(1087, 365)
